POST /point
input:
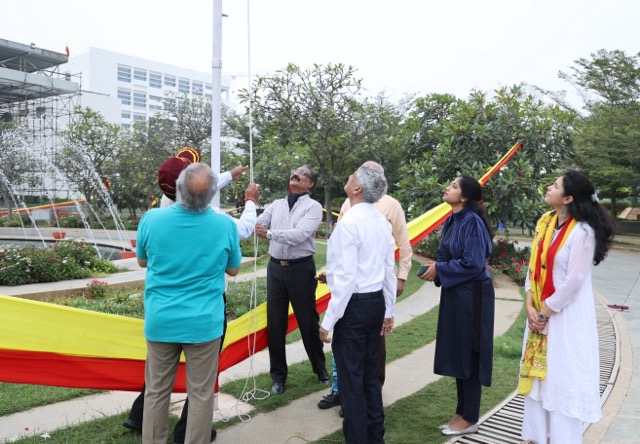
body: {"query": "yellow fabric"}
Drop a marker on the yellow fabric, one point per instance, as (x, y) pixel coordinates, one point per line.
(534, 358)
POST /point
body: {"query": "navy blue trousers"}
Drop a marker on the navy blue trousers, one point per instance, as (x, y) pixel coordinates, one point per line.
(355, 346)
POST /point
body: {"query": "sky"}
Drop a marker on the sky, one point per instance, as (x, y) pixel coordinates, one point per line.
(397, 46)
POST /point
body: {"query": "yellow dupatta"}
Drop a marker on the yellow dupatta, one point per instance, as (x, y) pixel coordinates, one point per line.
(534, 358)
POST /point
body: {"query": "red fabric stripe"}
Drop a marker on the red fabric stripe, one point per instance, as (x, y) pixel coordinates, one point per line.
(27, 367)
(429, 230)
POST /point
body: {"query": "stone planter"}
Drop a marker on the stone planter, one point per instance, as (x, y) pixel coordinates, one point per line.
(59, 234)
(127, 254)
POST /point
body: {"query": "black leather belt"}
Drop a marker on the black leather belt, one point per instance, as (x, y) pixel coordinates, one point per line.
(370, 295)
(287, 262)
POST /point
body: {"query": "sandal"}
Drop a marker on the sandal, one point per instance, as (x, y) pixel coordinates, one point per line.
(618, 307)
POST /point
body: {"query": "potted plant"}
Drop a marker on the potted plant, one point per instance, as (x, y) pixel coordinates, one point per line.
(59, 234)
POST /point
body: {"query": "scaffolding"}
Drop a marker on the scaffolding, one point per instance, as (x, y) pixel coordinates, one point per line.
(34, 92)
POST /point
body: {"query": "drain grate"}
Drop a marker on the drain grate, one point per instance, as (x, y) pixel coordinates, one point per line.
(503, 424)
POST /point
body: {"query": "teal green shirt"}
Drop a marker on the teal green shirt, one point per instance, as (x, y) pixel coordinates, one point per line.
(187, 254)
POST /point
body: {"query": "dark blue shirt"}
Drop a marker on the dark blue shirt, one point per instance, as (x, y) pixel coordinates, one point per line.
(464, 249)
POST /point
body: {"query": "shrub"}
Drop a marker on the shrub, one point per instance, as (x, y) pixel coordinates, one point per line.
(507, 257)
(65, 219)
(65, 260)
(428, 247)
(246, 247)
(97, 289)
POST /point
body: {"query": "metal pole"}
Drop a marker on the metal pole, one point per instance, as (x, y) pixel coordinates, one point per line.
(216, 91)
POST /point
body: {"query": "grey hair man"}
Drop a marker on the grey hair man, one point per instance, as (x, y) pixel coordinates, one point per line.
(393, 212)
(187, 248)
(361, 277)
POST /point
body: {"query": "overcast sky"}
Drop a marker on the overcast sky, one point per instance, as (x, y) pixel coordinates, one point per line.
(399, 46)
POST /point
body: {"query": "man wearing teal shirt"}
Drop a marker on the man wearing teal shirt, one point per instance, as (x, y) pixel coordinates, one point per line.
(187, 249)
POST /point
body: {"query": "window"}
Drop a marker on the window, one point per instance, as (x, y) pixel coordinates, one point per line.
(197, 88)
(155, 102)
(125, 125)
(140, 74)
(140, 99)
(169, 80)
(124, 73)
(209, 87)
(155, 79)
(139, 117)
(125, 96)
(183, 86)
(168, 101)
(126, 115)
(208, 96)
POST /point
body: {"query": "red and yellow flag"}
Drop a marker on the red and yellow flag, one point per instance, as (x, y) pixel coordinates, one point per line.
(48, 344)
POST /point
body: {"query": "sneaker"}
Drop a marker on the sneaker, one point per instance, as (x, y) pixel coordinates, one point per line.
(330, 400)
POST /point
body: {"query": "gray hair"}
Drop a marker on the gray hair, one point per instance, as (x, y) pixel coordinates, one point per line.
(373, 183)
(196, 187)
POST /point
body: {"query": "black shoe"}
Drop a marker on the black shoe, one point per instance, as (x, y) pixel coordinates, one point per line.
(133, 425)
(213, 437)
(323, 377)
(341, 413)
(278, 388)
(330, 400)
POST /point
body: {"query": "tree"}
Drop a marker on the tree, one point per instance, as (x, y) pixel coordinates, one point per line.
(607, 133)
(91, 146)
(445, 137)
(16, 162)
(317, 115)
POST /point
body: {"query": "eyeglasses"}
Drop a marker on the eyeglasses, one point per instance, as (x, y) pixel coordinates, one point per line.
(300, 172)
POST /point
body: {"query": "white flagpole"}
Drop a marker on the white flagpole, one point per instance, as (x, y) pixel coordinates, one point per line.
(216, 92)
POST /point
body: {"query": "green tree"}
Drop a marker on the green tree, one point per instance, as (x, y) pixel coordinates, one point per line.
(445, 137)
(608, 131)
(17, 165)
(91, 147)
(318, 116)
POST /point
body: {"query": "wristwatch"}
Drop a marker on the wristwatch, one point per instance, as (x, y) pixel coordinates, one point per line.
(269, 235)
(542, 317)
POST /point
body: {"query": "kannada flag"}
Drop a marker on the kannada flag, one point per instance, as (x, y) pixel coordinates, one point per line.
(48, 344)
(66, 49)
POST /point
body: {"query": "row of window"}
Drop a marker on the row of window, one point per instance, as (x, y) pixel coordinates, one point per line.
(185, 86)
(140, 99)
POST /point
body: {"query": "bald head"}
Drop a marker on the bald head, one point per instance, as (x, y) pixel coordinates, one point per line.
(195, 187)
(372, 164)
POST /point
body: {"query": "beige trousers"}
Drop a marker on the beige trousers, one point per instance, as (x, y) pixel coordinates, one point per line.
(160, 374)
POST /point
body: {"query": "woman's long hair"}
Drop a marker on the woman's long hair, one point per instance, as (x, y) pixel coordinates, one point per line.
(472, 190)
(585, 208)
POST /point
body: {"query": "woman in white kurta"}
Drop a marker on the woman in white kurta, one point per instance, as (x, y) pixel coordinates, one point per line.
(560, 367)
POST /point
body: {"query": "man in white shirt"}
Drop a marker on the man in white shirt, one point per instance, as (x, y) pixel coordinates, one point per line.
(361, 277)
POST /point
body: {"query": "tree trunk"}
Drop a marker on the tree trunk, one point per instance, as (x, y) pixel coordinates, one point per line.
(327, 206)
(634, 196)
(614, 201)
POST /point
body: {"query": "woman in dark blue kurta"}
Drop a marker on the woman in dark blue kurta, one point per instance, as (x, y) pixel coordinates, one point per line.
(464, 344)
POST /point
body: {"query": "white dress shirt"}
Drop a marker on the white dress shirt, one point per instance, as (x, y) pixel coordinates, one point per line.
(360, 259)
(247, 220)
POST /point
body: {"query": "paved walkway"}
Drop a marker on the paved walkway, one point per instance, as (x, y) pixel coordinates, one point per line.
(615, 280)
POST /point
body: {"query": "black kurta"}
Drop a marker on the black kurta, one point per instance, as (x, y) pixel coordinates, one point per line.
(467, 300)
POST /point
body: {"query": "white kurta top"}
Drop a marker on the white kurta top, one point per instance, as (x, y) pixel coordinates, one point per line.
(571, 386)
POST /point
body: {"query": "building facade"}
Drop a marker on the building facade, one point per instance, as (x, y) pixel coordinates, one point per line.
(127, 89)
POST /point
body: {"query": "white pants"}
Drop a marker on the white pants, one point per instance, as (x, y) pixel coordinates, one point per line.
(539, 424)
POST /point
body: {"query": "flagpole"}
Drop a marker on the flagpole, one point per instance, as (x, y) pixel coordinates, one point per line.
(216, 100)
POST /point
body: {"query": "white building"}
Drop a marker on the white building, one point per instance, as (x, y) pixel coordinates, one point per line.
(127, 89)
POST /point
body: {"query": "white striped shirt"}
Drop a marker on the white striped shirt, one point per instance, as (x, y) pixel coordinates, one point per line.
(292, 232)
